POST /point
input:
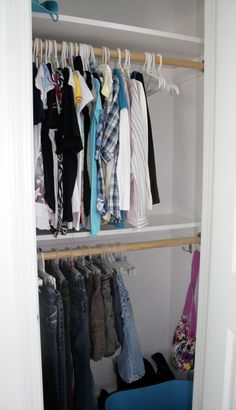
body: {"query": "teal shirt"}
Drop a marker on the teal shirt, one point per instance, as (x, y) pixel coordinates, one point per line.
(123, 103)
(95, 218)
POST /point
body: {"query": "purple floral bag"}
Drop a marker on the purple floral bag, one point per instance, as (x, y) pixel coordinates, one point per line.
(183, 345)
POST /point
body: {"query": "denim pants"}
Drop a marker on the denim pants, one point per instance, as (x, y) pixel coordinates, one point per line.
(117, 309)
(112, 342)
(84, 393)
(53, 348)
(52, 267)
(97, 321)
(130, 363)
(68, 357)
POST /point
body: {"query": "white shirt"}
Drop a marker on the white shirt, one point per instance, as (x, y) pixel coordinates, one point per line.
(123, 162)
(141, 199)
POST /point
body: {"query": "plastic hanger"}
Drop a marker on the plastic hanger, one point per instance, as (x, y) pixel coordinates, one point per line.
(50, 49)
(46, 52)
(152, 76)
(35, 52)
(163, 83)
(122, 259)
(126, 65)
(105, 55)
(55, 56)
(84, 50)
(76, 50)
(92, 56)
(41, 263)
(64, 54)
(41, 270)
(118, 63)
(71, 54)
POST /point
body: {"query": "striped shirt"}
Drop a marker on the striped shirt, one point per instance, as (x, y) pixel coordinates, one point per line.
(141, 198)
(107, 155)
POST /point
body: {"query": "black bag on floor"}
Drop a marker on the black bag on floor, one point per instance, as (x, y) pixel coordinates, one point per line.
(150, 377)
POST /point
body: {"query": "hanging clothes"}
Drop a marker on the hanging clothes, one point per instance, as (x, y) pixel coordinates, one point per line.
(93, 146)
(69, 143)
(84, 310)
(151, 154)
(78, 194)
(95, 217)
(140, 182)
(123, 161)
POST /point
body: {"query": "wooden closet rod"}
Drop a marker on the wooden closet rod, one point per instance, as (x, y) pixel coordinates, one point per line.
(140, 57)
(134, 246)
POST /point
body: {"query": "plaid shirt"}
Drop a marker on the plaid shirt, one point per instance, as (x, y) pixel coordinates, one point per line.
(107, 145)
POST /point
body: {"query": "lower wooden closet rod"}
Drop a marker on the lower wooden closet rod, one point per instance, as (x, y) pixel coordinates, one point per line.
(133, 246)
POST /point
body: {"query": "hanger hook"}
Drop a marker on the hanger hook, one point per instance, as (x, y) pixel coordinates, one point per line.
(103, 55)
(64, 54)
(160, 61)
(145, 62)
(71, 54)
(127, 61)
(50, 48)
(119, 57)
(36, 51)
(76, 49)
(189, 250)
(55, 54)
(108, 55)
(41, 50)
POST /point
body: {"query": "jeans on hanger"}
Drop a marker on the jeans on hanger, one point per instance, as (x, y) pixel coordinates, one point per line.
(68, 357)
(62, 359)
(97, 321)
(52, 267)
(112, 342)
(84, 389)
(85, 393)
(117, 309)
(89, 288)
(129, 363)
(53, 349)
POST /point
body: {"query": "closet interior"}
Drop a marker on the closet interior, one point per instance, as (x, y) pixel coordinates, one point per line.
(158, 287)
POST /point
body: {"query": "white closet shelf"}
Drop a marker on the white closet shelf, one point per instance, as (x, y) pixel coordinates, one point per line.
(104, 33)
(157, 223)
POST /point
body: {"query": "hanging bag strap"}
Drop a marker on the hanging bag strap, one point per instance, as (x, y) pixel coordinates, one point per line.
(189, 310)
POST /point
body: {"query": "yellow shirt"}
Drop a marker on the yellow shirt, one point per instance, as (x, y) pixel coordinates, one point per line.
(77, 90)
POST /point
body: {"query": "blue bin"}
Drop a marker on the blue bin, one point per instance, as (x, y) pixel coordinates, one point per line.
(172, 395)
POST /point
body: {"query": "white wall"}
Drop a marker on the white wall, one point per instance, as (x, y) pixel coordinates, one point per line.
(182, 16)
(187, 147)
(161, 113)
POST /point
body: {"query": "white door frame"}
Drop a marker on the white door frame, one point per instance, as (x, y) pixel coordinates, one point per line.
(21, 385)
(21, 380)
(207, 195)
(215, 378)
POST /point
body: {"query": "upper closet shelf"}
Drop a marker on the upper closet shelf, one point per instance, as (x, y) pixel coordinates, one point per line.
(157, 223)
(103, 33)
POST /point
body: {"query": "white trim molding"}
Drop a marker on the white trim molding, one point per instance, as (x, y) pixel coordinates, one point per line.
(20, 370)
(207, 195)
